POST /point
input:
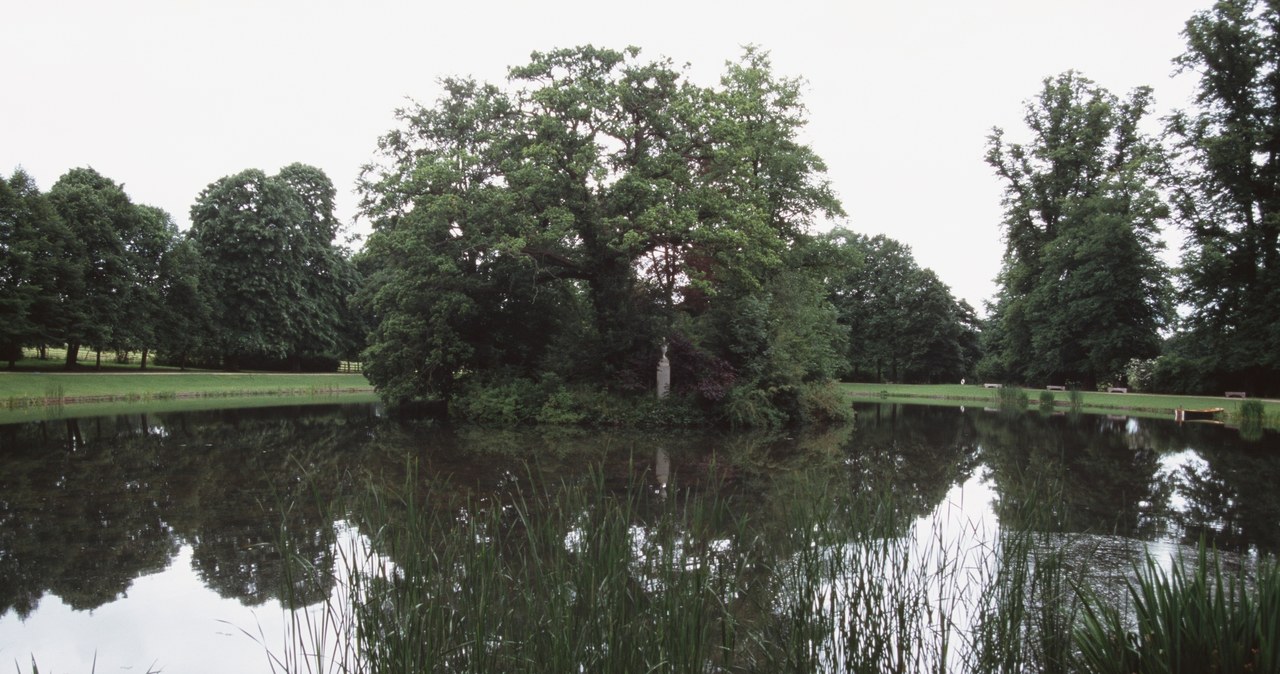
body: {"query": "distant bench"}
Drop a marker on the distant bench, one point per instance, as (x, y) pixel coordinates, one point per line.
(1233, 394)
(1117, 389)
(1055, 388)
(991, 386)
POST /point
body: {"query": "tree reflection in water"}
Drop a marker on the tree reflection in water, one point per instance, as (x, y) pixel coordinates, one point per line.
(88, 505)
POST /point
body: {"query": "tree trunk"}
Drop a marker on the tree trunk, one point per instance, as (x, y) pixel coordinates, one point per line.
(73, 354)
(143, 366)
(97, 361)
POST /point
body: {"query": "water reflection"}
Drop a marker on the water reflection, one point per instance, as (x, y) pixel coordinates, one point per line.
(918, 452)
(1101, 473)
(89, 505)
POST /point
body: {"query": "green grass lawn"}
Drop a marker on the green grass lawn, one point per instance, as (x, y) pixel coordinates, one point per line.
(16, 415)
(25, 389)
(1154, 404)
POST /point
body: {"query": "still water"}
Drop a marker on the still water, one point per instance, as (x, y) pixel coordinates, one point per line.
(148, 541)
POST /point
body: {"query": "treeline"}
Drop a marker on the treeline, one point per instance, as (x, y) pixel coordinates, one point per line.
(256, 282)
(1084, 296)
(537, 247)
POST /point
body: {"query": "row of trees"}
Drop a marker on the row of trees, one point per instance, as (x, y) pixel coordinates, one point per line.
(257, 277)
(1083, 292)
(554, 234)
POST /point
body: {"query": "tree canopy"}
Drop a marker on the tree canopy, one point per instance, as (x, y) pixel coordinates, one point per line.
(573, 221)
(1082, 289)
(274, 283)
(904, 324)
(1228, 196)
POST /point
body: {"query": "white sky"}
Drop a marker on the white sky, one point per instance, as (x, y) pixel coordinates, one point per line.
(167, 96)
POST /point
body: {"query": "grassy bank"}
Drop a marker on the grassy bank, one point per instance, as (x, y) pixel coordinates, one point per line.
(1090, 401)
(41, 389)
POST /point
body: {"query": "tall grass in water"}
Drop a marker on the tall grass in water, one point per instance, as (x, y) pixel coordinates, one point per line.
(582, 578)
(1253, 418)
(1012, 398)
(1201, 619)
(1046, 401)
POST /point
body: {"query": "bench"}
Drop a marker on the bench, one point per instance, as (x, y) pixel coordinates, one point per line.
(1117, 389)
(1055, 388)
(1233, 394)
(991, 386)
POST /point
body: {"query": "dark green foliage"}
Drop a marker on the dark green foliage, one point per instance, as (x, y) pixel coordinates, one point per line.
(904, 324)
(184, 305)
(18, 250)
(511, 401)
(1081, 289)
(566, 227)
(104, 225)
(1228, 194)
(275, 285)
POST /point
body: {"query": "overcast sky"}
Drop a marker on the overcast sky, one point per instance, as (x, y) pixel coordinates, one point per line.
(167, 96)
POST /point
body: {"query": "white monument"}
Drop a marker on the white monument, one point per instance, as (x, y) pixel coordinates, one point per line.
(664, 374)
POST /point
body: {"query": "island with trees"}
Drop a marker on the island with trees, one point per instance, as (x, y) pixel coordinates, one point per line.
(536, 245)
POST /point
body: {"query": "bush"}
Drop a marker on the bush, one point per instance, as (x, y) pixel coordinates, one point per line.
(1253, 418)
(1172, 373)
(561, 408)
(1139, 373)
(1046, 401)
(822, 402)
(505, 403)
(748, 406)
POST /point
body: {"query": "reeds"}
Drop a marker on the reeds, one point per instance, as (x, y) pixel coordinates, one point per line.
(587, 577)
(1253, 419)
(1011, 399)
(1194, 617)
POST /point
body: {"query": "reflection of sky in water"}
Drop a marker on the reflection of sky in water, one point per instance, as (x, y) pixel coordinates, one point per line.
(1178, 463)
(167, 620)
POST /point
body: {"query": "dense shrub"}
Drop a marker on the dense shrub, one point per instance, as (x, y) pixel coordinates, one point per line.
(748, 406)
(823, 402)
(523, 401)
(503, 403)
(1173, 373)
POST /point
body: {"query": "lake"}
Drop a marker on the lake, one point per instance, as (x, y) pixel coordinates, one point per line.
(152, 541)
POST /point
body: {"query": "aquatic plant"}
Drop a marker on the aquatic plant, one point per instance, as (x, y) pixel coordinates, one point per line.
(590, 576)
(1046, 401)
(1011, 398)
(1195, 617)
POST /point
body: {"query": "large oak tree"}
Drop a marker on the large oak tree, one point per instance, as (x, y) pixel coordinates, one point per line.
(572, 221)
